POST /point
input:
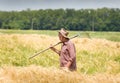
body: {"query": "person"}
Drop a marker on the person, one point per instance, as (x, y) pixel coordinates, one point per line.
(67, 53)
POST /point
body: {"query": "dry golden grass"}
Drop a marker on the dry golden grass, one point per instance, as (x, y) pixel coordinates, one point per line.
(98, 60)
(37, 74)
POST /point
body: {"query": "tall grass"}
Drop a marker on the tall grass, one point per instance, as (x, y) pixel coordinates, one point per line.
(37, 74)
(93, 55)
(94, 58)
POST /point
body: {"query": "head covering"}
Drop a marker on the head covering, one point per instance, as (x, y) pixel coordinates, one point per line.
(64, 33)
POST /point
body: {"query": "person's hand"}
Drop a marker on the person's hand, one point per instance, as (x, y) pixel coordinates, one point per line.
(51, 46)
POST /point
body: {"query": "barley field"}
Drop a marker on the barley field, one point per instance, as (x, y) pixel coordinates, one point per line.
(98, 59)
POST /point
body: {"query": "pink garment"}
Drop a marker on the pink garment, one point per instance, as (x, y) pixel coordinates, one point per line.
(68, 53)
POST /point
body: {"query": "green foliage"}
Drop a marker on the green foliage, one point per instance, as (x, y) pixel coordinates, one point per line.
(103, 19)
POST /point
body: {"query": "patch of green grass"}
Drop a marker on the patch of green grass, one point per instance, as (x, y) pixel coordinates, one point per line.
(117, 59)
(45, 32)
(113, 36)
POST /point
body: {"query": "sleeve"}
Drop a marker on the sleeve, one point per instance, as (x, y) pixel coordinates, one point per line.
(72, 52)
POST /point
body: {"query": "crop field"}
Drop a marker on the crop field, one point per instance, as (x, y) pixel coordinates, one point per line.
(98, 57)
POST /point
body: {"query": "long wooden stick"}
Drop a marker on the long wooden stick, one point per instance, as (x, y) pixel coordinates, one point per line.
(49, 48)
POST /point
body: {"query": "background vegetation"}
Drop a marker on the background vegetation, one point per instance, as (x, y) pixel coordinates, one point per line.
(113, 36)
(104, 19)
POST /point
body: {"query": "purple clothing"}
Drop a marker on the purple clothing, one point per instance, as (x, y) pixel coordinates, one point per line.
(68, 53)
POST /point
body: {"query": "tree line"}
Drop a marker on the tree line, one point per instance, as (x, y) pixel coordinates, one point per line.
(104, 19)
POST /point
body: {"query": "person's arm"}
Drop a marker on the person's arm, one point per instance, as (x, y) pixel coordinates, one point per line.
(72, 52)
(55, 50)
